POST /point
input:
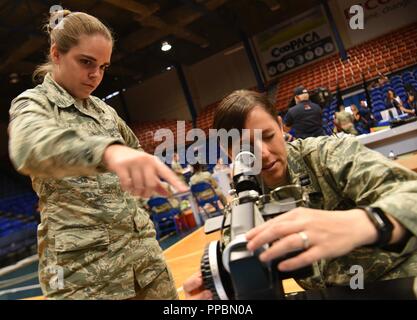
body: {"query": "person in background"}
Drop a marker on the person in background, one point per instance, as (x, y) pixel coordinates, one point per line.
(366, 113)
(379, 83)
(394, 101)
(220, 165)
(177, 167)
(305, 118)
(411, 101)
(360, 123)
(200, 175)
(222, 173)
(343, 121)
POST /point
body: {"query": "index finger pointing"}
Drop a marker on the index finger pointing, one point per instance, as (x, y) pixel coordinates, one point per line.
(168, 175)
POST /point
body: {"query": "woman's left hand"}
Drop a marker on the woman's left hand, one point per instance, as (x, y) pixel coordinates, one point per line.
(322, 234)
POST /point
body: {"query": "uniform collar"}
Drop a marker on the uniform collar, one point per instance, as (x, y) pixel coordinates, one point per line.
(296, 166)
(56, 93)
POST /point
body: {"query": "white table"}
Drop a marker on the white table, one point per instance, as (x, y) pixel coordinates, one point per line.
(400, 140)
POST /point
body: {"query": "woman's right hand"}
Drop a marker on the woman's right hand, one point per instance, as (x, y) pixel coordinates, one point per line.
(194, 289)
(140, 173)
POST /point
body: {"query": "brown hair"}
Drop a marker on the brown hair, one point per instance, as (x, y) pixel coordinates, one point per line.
(197, 167)
(234, 109)
(67, 32)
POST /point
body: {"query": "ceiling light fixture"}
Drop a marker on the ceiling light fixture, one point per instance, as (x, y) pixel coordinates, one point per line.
(166, 46)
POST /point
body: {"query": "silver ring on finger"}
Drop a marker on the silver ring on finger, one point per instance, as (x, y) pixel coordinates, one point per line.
(305, 239)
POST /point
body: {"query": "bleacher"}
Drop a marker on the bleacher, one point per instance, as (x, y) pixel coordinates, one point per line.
(385, 54)
(18, 225)
(397, 83)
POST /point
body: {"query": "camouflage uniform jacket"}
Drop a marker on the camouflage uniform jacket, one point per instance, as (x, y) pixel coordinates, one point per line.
(347, 175)
(100, 237)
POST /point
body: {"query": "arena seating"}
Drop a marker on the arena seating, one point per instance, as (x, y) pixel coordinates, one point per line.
(18, 226)
(387, 55)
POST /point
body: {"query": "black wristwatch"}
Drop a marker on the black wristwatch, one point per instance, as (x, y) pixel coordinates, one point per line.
(382, 224)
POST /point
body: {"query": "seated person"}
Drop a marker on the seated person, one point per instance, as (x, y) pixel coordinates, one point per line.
(220, 165)
(204, 176)
(361, 124)
(380, 82)
(343, 121)
(223, 175)
(366, 113)
(177, 167)
(411, 101)
(394, 101)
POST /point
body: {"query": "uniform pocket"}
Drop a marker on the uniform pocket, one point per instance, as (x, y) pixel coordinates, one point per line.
(142, 219)
(81, 238)
(82, 253)
(152, 264)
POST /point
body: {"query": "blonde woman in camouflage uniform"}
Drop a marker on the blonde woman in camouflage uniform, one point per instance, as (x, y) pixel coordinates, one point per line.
(86, 165)
(337, 233)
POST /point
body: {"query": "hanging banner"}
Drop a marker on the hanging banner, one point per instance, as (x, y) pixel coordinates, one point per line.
(294, 43)
(380, 17)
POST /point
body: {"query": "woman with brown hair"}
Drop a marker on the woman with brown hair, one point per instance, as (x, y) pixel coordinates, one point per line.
(394, 101)
(366, 214)
(94, 240)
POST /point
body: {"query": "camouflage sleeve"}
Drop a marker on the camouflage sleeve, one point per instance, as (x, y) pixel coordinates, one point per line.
(369, 178)
(127, 133)
(39, 146)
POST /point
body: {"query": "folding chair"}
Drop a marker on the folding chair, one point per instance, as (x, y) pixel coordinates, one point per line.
(205, 194)
(163, 216)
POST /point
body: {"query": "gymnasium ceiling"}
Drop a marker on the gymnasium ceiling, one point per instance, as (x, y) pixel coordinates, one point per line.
(195, 28)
